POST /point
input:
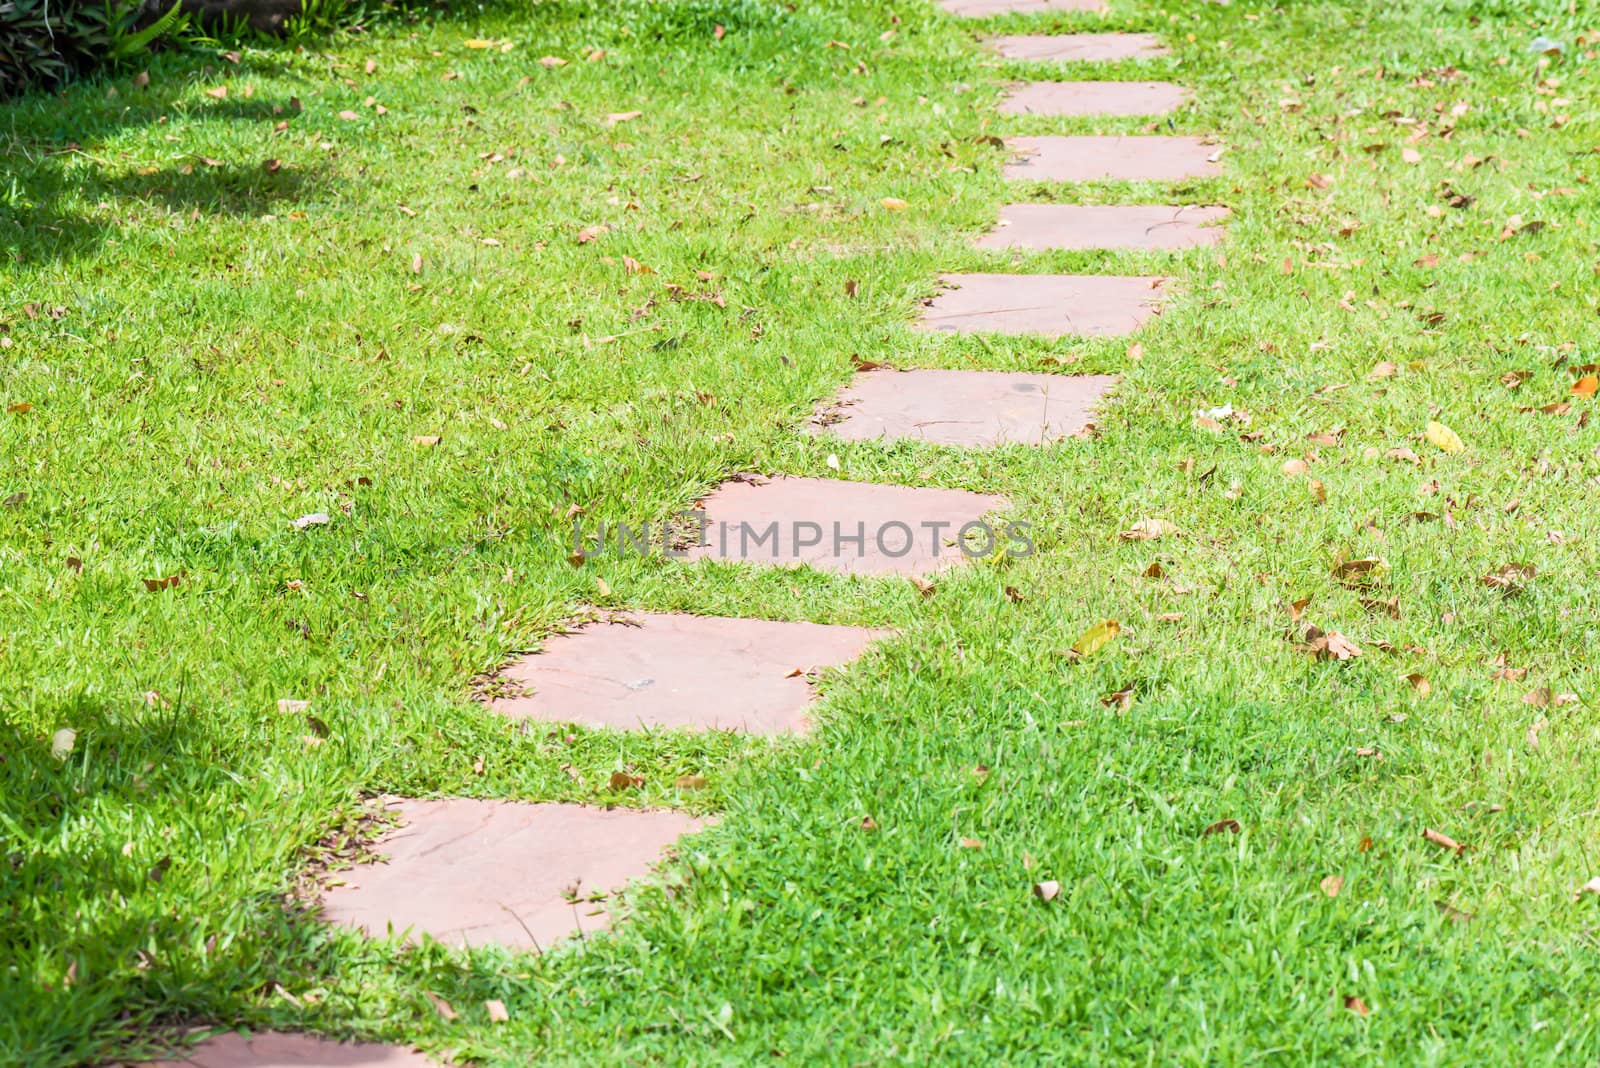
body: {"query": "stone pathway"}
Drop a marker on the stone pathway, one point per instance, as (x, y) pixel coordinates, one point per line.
(471, 872)
(1051, 305)
(1129, 158)
(986, 8)
(853, 528)
(681, 672)
(270, 1049)
(523, 875)
(1079, 47)
(1093, 98)
(1146, 227)
(971, 409)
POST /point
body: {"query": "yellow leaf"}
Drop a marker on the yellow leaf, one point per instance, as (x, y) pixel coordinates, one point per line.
(1444, 438)
(893, 204)
(1095, 638)
(478, 42)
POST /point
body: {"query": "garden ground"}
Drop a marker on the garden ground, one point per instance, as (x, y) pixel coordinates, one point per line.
(444, 293)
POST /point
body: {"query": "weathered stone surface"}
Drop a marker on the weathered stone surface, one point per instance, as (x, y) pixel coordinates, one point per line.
(1079, 47)
(1096, 226)
(1053, 305)
(904, 530)
(1093, 98)
(1089, 159)
(970, 408)
(478, 872)
(277, 1049)
(681, 671)
(987, 8)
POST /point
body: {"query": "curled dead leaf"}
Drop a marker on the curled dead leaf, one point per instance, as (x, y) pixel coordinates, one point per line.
(1049, 890)
(1509, 578)
(1443, 841)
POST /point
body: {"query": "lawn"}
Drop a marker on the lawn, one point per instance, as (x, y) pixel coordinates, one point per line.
(443, 294)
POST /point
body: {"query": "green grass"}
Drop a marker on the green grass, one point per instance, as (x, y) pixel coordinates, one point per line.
(239, 346)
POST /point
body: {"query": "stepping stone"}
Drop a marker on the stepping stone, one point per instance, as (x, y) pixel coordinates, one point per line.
(1090, 159)
(1093, 98)
(1096, 226)
(1079, 47)
(1054, 305)
(979, 9)
(480, 872)
(276, 1049)
(857, 528)
(681, 671)
(972, 408)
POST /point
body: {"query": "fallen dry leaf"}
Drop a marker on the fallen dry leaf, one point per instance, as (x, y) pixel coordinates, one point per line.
(1332, 884)
(1222, 827)
(1443, 438)
(1149, 530)
(1358, 572)
(1443, 841)
(1356, 1005)
(1509, 578)
(441, 1006)
(1049, 890)
(1330, 645)
(496, 1010)
(1095, 638)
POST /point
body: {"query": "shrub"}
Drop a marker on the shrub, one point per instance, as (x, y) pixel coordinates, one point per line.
(44, 42)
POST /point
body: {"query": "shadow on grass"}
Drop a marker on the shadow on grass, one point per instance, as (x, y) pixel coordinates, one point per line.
(65, 191)
(113, 931)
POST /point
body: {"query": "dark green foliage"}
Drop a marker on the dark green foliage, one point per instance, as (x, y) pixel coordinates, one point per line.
(45, 42)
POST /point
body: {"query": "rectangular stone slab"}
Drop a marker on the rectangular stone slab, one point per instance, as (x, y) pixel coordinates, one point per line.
(1152, 158)
(1097, 226)
(1093, 98)
(1078, 47)
(681, 672)
(1052, 305)
(278, 1049)
(969, 408)
(494, 872)
(904, 530)
(979, 9)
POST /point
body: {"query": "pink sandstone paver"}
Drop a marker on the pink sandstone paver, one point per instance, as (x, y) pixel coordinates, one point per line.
(985, 8)
(970, 408)
(1089, 158)
(681, 671)
(276, 1049)
(1093, 98)
(848, 527)
(1053, 305)
(1096, 226)
(499, 872)
(1079, 47)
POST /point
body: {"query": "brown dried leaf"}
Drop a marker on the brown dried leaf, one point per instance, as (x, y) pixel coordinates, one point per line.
(1443, 841)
